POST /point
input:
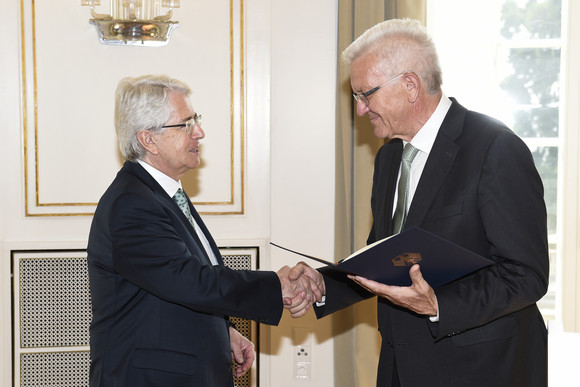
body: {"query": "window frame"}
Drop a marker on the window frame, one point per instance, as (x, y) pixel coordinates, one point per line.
(570, 182)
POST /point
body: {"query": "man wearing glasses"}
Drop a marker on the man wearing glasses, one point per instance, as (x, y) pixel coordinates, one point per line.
(469, 179)
(161, 295)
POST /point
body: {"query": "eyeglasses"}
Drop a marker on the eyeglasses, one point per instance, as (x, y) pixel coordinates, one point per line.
(364, 97)
(196, 120)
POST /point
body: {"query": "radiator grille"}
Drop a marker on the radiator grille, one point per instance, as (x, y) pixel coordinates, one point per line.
(241, 262)
(52, 314)
(55, 303)
(54, 369)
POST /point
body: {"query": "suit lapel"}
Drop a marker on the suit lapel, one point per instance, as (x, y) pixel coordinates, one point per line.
(205, 231)
(438, 164)
(392, 163)
(161, 195)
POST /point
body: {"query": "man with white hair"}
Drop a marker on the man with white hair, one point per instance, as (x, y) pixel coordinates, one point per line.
(472, 181)
(161, 295)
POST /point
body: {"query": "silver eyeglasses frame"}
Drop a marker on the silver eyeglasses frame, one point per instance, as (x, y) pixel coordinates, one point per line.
(196, 120)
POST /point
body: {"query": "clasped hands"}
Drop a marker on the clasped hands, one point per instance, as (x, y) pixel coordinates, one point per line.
(302, 285)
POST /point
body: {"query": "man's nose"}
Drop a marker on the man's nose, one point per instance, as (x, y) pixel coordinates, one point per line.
(361, 108)
(198, 132)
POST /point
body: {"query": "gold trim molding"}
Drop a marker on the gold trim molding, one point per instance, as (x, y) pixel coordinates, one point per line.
(30, 101)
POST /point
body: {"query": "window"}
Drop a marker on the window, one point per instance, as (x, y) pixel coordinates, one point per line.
(504, 58)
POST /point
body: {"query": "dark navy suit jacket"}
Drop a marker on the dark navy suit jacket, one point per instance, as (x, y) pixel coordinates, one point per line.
(479, 189)
(159, 307)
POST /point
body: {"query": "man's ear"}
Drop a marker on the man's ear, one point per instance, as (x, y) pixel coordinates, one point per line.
(145, 138)
(413, 84)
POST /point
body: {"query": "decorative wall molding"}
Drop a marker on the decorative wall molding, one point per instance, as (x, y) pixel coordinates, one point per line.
(69, 143)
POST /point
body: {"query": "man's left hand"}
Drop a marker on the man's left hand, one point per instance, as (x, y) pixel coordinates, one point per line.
(243, 352)
(419, 297)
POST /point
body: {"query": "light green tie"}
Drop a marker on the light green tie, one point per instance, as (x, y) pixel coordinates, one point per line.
(400, 216)
(181, 201)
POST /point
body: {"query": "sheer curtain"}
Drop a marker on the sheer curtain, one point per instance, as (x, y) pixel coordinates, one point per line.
(357, 341)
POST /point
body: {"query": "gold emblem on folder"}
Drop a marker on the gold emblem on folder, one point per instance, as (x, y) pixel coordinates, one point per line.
(407, 259)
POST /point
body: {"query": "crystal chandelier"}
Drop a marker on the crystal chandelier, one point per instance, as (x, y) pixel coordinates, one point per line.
(134, 22)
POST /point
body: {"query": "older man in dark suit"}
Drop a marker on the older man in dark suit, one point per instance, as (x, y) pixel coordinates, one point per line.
(161, 295)
(472, 181)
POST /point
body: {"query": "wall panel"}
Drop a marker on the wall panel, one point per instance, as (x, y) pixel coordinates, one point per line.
(68, 84)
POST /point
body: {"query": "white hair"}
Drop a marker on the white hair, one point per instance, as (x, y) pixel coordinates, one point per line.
(143, 103)
(400, 45)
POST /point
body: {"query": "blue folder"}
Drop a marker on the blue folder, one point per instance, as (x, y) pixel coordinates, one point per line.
(388, 261)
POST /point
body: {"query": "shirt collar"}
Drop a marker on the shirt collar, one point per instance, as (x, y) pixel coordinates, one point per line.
(167, 183)
(425, 137)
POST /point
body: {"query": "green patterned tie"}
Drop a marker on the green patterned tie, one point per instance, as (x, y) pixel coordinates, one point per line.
(181, 201)
(400, 216)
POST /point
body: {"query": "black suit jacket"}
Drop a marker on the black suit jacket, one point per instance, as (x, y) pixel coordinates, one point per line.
(159, 306)
(479, 189)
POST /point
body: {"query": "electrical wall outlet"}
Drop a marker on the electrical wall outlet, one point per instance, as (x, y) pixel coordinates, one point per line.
(302, 353)
(302, 362)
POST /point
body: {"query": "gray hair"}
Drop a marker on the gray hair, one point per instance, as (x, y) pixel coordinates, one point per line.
(400, 45)
(142, 103)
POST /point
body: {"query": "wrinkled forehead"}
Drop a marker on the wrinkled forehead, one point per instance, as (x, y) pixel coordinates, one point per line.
(180, 105)
(368, 69)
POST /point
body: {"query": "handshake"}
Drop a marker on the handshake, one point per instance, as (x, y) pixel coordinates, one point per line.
(301, 287)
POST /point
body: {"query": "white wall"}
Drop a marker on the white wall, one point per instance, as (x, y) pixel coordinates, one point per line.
(302, 160)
